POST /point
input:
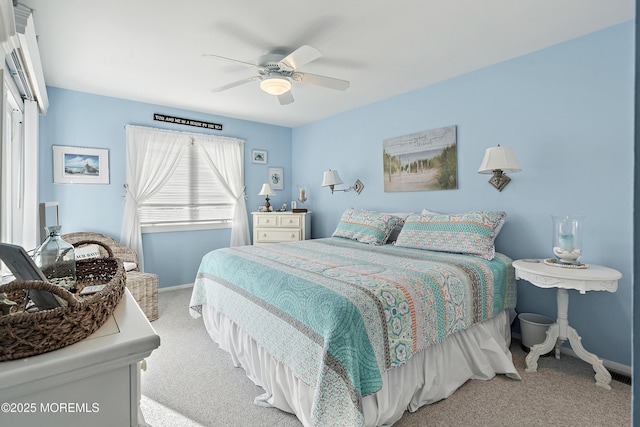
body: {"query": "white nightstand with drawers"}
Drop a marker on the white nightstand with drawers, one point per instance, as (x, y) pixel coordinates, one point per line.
(273, 227)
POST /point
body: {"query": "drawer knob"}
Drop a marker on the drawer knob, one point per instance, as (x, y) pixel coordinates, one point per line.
(293, 235)
(264, 234)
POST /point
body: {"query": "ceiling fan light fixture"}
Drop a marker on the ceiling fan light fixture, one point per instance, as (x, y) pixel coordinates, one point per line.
(275, 85)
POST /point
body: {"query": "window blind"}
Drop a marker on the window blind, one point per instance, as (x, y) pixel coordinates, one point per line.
(192, 195)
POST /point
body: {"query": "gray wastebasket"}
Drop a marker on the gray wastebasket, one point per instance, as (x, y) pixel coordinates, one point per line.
(533, 329)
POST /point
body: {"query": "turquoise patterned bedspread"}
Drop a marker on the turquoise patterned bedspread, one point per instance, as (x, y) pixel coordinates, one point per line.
(339, 312)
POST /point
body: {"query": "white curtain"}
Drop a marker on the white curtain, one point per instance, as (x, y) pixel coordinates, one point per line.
(147, 171)
(30, 231)
(226, 158)
(17, 189)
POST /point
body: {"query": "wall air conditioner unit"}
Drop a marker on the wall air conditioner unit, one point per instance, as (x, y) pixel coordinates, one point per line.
(19, 74)
(23, 62)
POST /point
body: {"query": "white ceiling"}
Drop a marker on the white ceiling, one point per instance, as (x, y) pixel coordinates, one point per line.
(151, 50)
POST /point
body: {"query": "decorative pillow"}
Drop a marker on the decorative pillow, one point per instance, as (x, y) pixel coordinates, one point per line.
(470, 233)
(128, 266)
(366, 226)
(428, 212)
(396, 230)
(87, 252)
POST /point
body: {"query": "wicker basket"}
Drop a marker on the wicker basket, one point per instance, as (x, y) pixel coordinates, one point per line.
(24, 334)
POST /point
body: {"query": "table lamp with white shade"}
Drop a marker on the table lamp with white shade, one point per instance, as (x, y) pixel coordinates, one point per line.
(266, 191)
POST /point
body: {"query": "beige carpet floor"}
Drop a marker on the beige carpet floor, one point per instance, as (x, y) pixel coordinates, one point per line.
(190, 382)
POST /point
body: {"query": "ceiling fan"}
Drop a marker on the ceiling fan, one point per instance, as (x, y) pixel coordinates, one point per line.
(277, 69)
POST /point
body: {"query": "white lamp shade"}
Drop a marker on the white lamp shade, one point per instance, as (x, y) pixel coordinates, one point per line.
(331, 178)
(275, 85)
(266, 190)
(499, 158)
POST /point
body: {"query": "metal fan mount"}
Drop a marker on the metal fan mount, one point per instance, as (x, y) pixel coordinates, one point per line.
(276, 69)
(269, 65)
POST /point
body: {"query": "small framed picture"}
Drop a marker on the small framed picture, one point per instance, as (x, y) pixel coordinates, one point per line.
(80, 165)
(259, 157)
(275, 177)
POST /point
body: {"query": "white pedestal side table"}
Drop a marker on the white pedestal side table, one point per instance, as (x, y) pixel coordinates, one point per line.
(592, 278)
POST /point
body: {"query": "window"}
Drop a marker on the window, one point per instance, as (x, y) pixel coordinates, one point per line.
(193, 197)
(12, 168)
(19, 172)
(18, 168)
(180, 179)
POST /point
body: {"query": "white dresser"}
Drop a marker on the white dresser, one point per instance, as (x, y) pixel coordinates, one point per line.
(273, 227)
(95, 382)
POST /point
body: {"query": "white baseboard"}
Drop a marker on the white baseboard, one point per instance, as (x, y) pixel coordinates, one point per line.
(175, 288)
(610, 365)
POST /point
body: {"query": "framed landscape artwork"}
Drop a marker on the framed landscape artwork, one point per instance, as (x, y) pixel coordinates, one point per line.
(80, 165)
(421, 161)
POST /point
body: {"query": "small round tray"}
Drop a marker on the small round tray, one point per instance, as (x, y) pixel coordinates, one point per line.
(554, 262)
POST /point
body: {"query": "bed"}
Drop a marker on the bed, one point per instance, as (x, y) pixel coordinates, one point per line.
(351, 330)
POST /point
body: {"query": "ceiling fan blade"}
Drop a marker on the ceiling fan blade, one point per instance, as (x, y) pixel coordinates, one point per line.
(323, 81)
(299, 57)
(234, 84)
(247, 64)
(285, 98)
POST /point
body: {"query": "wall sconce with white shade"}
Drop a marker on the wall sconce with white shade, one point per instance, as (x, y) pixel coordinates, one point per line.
(266, 191)
(498, 160)
(331, 179)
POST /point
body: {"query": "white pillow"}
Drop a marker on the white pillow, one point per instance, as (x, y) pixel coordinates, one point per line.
(87, 252)
(128, 266)
(428, 212)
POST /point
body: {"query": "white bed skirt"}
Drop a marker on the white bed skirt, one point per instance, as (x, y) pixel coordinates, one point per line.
(479, 352)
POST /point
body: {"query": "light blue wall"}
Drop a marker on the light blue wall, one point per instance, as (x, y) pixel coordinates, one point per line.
(567, 111)
(84, 120)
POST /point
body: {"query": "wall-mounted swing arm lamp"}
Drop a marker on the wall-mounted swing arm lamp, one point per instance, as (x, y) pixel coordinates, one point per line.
(497, 161)
(331, 179)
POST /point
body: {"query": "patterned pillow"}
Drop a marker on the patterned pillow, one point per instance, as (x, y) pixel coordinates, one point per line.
(470, 233)
(366, 226)
(87, 252)
(496, 231)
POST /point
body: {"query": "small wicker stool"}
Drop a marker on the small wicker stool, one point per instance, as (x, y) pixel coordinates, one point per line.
(143, 286)
(144, 289)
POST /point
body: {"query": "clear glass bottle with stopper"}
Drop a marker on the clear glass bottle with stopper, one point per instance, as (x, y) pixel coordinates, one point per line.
(56, 258)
